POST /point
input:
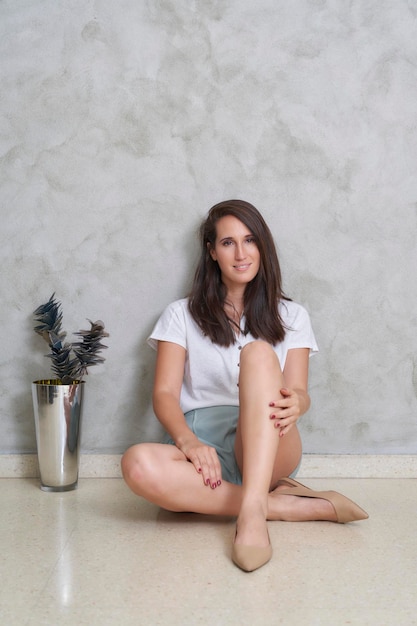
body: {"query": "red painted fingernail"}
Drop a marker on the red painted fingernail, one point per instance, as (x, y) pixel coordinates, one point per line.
(208, 481)
(219, 482)
(273, 417)
(271, 404)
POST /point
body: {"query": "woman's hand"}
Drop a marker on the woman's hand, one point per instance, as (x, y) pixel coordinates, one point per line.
(286, 411)
(206, 462)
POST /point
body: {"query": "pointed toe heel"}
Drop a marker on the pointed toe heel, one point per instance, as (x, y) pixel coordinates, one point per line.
(249, 558)
(346, 510)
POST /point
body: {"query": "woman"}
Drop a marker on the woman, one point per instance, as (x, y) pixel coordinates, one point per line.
(230, 385)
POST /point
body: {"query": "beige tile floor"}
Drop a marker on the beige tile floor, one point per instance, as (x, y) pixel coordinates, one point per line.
(101, 556)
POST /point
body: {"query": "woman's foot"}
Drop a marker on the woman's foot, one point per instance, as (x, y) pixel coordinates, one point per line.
(251, 547)
(291, 501)
(251, 527)
(250, 558)
(291, 508)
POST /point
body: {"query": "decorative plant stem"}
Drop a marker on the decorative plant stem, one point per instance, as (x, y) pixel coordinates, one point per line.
(70, 361)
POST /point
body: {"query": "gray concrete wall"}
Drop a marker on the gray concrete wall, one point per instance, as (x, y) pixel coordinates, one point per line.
(123, 122)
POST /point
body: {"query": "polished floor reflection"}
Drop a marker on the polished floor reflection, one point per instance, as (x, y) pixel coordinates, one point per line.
(99, 555)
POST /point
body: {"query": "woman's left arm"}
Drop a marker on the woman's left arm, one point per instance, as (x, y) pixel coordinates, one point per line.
(295, 400)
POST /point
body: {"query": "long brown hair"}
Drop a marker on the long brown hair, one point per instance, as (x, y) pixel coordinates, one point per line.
(262, 294)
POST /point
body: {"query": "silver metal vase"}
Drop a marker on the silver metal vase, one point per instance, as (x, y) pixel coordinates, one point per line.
(58, 412)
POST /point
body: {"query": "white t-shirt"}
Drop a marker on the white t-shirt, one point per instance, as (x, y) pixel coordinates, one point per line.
(211, 371)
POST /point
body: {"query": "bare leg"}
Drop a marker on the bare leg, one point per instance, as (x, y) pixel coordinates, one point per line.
(257, 441)
(161, 474)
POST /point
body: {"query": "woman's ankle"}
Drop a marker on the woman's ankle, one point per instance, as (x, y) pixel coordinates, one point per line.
(251, 526)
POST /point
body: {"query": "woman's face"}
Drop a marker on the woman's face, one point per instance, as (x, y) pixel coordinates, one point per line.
(236, 252)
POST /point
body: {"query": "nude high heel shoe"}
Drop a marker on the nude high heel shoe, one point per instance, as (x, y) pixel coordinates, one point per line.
(346, 510)
(249, 558)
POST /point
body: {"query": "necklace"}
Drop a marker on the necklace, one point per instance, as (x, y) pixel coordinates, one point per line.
(236, 315)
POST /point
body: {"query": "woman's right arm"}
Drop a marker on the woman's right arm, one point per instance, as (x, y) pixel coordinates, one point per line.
(169, 374)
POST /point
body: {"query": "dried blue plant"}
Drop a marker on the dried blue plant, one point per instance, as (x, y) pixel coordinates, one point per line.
(70, 361)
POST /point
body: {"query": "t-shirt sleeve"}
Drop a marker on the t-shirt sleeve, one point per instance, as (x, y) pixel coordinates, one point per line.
(170, 327)
(300, 333)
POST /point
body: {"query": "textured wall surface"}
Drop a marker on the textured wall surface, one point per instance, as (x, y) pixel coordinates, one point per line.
(121, 123)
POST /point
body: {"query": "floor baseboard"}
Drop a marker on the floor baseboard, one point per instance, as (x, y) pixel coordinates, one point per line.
(312, 466)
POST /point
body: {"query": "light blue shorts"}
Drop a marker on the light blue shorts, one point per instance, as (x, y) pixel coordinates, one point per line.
(216, 426)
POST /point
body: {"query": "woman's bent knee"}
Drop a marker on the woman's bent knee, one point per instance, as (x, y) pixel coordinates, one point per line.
(135, 465)
(145, 467)
(258, 352)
